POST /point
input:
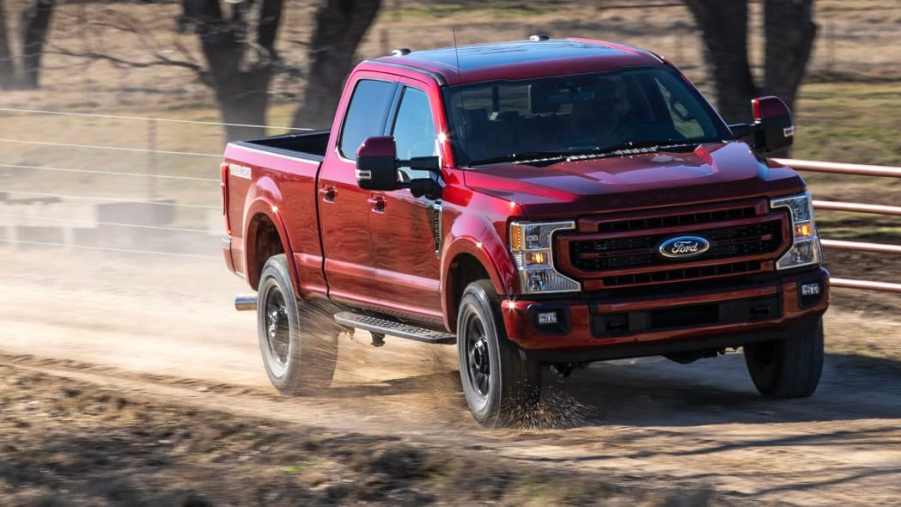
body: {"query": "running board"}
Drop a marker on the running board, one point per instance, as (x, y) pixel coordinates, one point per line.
(394, 328)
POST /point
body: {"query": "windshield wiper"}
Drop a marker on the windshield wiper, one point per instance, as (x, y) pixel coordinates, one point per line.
(620, 150)
(626, 149)
(526, 156)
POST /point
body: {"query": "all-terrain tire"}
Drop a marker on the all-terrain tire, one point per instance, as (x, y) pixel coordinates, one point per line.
(788, 368)
(298, 341)
(500, 385)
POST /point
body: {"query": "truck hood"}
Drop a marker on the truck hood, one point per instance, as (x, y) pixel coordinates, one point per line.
(711, 172)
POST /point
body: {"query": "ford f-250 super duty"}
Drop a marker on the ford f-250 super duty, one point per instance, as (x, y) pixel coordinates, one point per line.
(542, 204)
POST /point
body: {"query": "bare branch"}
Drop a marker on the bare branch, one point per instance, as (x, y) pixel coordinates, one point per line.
(160, 61)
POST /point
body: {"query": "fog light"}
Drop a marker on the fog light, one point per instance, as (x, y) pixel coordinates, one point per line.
(547, 318)
(810, 289)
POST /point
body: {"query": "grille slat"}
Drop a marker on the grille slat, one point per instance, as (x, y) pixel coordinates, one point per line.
(696, 218)
(676, 275)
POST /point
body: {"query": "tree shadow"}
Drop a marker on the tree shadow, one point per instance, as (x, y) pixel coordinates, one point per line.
(657, 392)
(69, 469)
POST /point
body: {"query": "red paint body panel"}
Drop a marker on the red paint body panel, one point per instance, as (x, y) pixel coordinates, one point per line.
(383, 258)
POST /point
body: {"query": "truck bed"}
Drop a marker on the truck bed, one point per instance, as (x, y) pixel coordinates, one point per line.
(307, 145)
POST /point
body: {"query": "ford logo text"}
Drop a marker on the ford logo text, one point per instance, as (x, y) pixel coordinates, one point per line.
(683, 247)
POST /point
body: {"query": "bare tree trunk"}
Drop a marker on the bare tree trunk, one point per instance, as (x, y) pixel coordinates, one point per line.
(340, 27)
(724, 26)
(790, 33)
(7, 63)
(35, 25)
(240, 76)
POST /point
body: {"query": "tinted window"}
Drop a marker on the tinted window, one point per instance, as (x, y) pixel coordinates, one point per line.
(414, 130)
(366, 115)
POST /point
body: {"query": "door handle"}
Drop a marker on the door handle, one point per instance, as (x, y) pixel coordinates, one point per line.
(328, 193)
(377, 203)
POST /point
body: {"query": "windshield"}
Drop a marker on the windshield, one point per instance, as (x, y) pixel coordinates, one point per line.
(577, 115)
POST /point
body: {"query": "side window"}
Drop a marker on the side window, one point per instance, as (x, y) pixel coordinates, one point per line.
(365, 116)
(414, 129)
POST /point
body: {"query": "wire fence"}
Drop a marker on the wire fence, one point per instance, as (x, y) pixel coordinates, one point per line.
(109, 148)
(136, 251)
(109, 173)
(37, 202)
(75, 114)
(100, 198)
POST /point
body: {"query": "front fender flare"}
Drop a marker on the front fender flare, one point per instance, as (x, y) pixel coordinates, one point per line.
(478, 238)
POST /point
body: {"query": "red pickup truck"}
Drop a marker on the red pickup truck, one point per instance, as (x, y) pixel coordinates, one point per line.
(543, 204)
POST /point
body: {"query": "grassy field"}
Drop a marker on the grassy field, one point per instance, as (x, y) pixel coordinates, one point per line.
(851, 122)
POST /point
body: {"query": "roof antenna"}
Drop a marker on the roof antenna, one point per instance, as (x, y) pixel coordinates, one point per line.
(456, 51)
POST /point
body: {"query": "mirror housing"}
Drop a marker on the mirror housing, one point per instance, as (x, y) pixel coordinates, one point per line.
(377, 164)
(774, 129)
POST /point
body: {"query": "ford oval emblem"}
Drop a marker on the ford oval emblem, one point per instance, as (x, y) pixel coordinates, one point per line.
(683, 247)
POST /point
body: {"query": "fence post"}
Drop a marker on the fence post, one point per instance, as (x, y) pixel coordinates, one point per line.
(151, 159)
(677, 33)
(385, 41)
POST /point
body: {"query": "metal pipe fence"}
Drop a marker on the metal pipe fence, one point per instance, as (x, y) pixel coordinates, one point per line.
(853, 207)
(152, 150)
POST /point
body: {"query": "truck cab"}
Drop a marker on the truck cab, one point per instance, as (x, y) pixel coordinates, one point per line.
(542, 204)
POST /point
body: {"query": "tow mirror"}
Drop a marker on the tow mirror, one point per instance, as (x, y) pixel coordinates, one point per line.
(774, 129)
(377, 164)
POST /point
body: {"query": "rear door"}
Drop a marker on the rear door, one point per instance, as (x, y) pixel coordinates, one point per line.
(405, 231)
(344, 208)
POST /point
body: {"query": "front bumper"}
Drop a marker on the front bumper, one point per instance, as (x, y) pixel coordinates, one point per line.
(591, 327)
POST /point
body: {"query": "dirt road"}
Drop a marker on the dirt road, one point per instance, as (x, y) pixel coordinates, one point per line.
(162, 330)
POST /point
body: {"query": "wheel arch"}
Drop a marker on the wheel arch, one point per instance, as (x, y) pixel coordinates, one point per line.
(265, 235)
(466, 262)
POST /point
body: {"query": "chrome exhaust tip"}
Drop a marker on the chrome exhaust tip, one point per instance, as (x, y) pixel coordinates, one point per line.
(246, 303)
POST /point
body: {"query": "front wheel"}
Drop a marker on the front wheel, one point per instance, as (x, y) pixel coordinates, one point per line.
(298, 342)
(499, 384)
(788, 368)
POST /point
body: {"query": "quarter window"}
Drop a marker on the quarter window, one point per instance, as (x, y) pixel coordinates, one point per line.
(414, 129)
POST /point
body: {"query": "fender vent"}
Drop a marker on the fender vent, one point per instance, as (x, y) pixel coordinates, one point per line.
(435, 211)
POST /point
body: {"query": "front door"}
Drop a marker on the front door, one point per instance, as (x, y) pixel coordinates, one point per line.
(404, 228)
(344, 208)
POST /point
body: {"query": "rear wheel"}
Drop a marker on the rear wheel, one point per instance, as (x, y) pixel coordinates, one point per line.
(788, 368)
(499, 384)
(298, 341)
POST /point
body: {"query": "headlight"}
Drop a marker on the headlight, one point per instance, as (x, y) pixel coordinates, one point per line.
(531, 245)
(805, 250)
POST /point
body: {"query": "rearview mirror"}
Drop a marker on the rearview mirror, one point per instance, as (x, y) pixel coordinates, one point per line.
(377, 164)
(774, 129)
